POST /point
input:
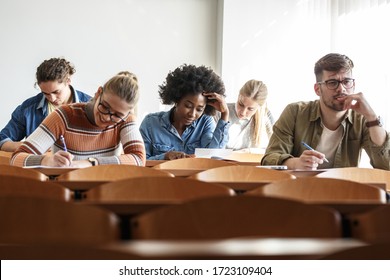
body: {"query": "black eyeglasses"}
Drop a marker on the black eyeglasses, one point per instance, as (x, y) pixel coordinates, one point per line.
(333, 84)
(103, 109)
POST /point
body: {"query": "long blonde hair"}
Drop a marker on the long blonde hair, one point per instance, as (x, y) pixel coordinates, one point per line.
(257, 91)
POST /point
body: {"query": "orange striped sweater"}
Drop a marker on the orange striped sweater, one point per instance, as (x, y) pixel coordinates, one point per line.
(117, 144)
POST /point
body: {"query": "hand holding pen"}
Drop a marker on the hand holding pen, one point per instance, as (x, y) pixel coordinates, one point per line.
(61, 158)
(311, 149)
(308, 160)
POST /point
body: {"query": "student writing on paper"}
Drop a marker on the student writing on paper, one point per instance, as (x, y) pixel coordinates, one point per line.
(94, 133)
(53, 77)
(335, 127)
(195, 93)
(250, 119)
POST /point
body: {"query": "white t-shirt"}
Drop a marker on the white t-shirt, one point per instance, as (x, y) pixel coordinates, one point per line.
(330, 140)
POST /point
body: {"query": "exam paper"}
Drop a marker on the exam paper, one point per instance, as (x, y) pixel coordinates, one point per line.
(208, 153)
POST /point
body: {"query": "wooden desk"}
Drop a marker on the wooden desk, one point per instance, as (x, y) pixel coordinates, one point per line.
(52, 171)
(257, 248)
(240, 248)
(127, 210)
(303, 173)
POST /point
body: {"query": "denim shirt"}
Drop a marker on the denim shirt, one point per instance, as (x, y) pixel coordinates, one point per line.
(29, 115)
(160, 136)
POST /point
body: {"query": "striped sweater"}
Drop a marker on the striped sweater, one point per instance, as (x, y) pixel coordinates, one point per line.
(117, 144)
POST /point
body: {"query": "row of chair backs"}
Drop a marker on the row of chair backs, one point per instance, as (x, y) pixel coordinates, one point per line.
(241, 173)
(22, 172)
(312, 189)
(193, 163)
(21, 186)
(38, 220)
(111, 173)
(372, 226)
(156, 189)
(357, 174)
(237, 216)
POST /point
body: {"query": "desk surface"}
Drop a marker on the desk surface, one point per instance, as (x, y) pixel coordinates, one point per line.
(256, 248)
(251, 248)
(55, 171)
(52, 171)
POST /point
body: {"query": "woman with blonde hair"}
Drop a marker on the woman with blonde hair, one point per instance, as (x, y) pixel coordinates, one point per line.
(102, 131)
(250, 118)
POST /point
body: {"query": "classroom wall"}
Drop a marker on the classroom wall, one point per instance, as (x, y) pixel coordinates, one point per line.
(277, 42)
(101, 38)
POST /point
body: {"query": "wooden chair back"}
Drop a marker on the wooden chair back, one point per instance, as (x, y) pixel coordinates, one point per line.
(111, 173)
(312, 189)
(12, 170)
(193, 163)
(241, 173)
(372, 176)
(371, 226)
(156, 189)
(24, 186)
(237, 216)
(43, 221)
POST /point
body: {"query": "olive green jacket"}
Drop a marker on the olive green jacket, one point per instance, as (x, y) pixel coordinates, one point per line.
(301, 121)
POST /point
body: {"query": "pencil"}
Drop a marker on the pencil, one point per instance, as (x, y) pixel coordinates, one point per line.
(311, 149)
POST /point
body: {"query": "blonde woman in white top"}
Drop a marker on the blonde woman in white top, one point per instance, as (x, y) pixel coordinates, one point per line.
(251, 120)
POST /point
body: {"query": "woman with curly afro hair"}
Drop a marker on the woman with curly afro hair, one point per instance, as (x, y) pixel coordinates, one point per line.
(196, 93)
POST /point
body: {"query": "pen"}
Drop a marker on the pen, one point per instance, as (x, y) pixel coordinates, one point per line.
(63, 143)
(311, 149)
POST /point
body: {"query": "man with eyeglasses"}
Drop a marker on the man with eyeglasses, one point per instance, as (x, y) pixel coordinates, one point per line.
(332, 131)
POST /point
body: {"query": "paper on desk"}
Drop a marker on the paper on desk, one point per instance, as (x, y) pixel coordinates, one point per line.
(208, 153)
(48, 167)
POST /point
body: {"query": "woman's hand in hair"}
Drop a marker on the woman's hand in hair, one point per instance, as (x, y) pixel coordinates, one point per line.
(218, 102)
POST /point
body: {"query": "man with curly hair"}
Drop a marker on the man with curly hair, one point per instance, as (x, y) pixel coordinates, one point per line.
(196, 93)
(54, 80)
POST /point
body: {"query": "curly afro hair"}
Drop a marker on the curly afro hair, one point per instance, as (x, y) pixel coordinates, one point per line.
(189, 79)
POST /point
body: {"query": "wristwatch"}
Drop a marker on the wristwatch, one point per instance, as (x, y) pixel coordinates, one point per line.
(377, 122)
(93, 161)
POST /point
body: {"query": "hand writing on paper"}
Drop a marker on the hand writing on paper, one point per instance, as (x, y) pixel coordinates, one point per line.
(59, 159)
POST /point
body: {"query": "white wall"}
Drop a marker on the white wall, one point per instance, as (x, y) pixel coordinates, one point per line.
(101, 38)
(276, 42)
(279, 41)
